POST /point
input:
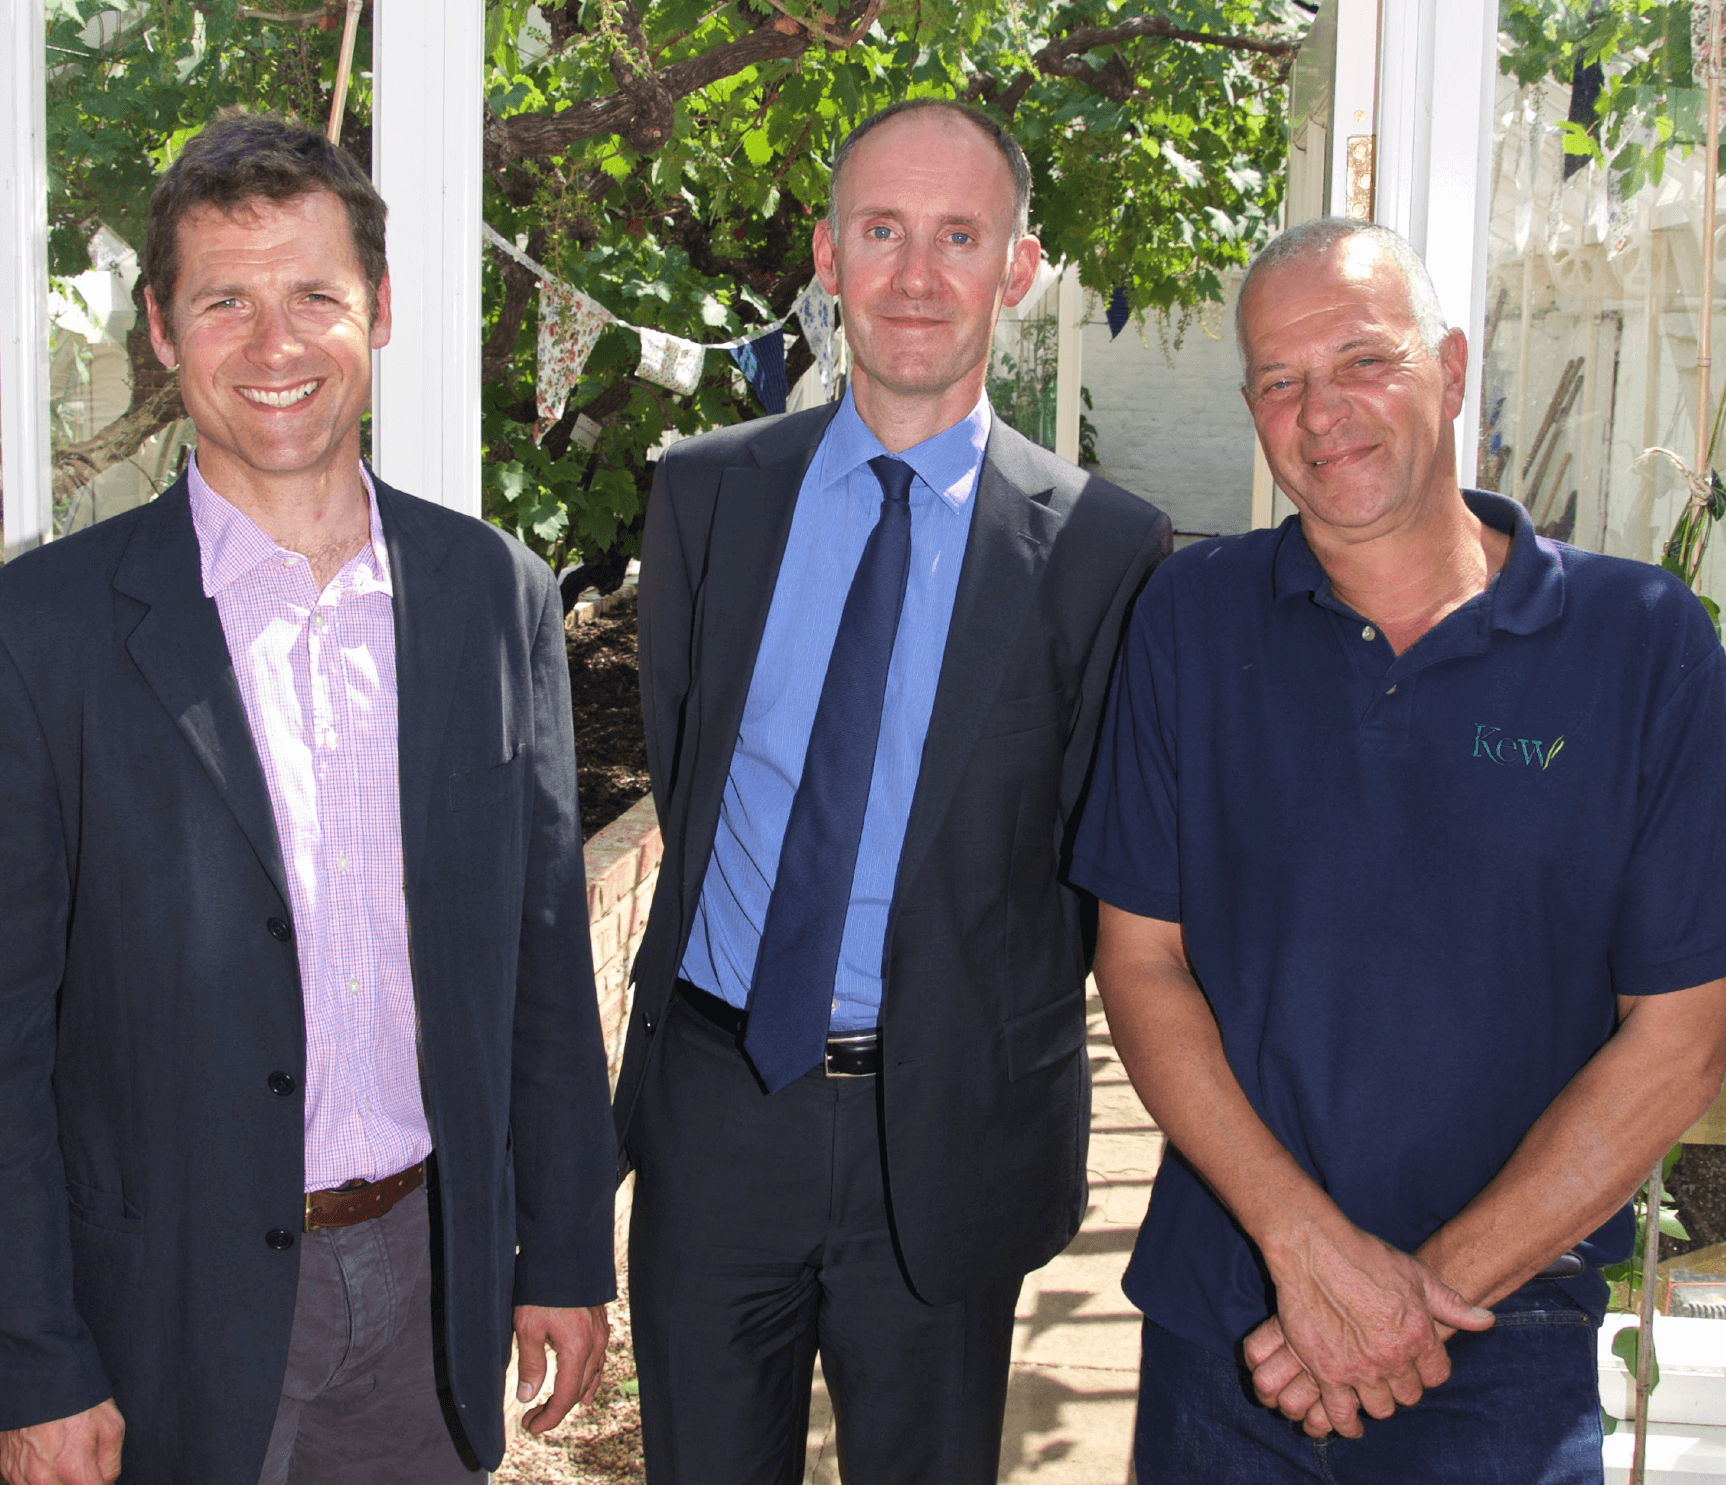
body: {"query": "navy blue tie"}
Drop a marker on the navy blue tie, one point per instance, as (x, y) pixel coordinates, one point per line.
(799, 954)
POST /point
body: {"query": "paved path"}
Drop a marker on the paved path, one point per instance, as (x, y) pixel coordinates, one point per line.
(1076, 1350)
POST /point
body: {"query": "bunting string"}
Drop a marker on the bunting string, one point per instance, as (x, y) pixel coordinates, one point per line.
(570, 323)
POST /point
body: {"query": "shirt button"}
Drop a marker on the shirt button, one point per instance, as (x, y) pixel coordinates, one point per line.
(835, 1008)
(353, 987)
(1391, 692)
(278, 930)
(341, 863)
(289, 561)
(1369, 634)
(279, 1238)
(281, 1084)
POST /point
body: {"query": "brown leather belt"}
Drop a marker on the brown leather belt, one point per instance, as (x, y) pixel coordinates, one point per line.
(360, 1201)
(849, 1054)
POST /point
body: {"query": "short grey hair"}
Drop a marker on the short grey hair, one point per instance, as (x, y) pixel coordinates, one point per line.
(1017, 165)
(1314, 239)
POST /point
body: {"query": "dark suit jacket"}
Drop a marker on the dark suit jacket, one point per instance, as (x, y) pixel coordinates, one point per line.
(144, 1004)
(986, 1087)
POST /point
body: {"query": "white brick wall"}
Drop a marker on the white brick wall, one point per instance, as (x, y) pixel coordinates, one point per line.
(1178, 433)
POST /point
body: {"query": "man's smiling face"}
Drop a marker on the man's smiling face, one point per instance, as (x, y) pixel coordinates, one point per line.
(272, 326)
(1352, 409)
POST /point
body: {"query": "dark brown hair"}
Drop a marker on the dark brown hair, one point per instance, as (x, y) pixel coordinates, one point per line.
(244, 157)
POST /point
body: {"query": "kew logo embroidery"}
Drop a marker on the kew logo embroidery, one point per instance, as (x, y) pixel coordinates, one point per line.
(1529, 752)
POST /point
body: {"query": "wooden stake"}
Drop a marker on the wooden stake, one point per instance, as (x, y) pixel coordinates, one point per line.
(1645, 1317)
(1705, 331)
(339, 99)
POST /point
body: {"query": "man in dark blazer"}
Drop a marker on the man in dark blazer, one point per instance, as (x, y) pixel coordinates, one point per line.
(879, 1197)
(290, 878)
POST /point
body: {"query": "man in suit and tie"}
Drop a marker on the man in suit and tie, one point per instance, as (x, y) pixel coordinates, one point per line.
(302, 1088)
(874, 645)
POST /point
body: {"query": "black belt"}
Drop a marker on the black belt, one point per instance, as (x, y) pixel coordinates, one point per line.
(850, 1054)
(1566, 1266)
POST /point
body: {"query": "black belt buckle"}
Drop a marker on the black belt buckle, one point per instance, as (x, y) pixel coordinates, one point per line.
(854, 1054)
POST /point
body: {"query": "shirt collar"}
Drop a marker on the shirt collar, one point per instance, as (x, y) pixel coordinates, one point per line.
(948, 463)
(1527, 595)
(231, 544)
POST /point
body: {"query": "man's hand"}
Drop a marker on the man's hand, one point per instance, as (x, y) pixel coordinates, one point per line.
(1358, 1325)
(81, 1450)
(578, 1336)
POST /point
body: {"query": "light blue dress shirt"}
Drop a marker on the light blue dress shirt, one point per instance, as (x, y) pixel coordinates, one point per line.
(838, 505)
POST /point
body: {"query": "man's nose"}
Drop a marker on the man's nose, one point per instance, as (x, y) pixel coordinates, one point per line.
(275, 338)
(914, 272)
(1322, 406)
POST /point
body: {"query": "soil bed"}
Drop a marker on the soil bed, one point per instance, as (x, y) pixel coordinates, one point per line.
(610, 750)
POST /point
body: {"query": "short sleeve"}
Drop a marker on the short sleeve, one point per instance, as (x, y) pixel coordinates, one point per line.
(1670, 931)
(1126, 848)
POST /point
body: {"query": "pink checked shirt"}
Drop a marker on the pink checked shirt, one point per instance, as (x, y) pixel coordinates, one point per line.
(317, 672)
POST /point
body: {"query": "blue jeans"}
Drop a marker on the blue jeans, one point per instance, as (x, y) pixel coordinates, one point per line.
(1521, 1408)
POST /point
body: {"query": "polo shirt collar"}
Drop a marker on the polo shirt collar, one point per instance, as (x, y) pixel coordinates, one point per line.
(231, 544)
(1526, 596)
(948, 463)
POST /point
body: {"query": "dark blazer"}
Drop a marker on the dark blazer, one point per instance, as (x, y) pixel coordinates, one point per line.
(985, 1085)
(147, 995)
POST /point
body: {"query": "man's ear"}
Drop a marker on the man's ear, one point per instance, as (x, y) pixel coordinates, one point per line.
(161, 337)
(1022, 268)
(381, 323)
(1453, 358)
(826, 258)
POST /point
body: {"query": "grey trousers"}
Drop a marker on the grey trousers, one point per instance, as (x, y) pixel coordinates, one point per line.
(359, 1402)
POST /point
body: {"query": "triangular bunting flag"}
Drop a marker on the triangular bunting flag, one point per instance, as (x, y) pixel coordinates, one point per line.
(762, 360)
(1119, 312)
(569, 324)
(814, 309)
(670, 361)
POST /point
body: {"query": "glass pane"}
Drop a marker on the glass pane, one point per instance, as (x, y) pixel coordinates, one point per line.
(1591, 336)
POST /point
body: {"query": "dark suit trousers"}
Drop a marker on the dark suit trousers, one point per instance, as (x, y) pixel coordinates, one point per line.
(760, 1236)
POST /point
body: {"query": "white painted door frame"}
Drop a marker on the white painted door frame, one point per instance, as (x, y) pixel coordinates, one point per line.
(1438, 63)
(24, 261)
(1416, 77)
(427, 117)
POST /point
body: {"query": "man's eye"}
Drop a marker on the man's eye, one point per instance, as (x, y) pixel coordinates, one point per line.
(880, 234)
(963, 238)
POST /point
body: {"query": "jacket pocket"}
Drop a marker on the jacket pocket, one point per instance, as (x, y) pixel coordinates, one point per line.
(1025, 714)
(105, 1209)
(1041, 1038)
(486, 788)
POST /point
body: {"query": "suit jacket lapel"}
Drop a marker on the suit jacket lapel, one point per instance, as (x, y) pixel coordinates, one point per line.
(1011, 535)
(430, 626)
(179, 647)
(752, 513)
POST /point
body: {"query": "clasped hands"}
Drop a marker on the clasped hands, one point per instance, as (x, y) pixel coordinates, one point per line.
(1359, 1325)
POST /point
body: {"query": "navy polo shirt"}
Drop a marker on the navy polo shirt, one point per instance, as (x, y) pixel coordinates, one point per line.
(1410, 886)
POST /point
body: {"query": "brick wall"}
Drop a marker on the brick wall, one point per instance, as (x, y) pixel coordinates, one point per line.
(622, 868)
(1174, 429)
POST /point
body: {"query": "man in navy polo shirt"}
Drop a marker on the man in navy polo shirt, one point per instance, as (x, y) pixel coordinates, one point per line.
(1407, 824)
